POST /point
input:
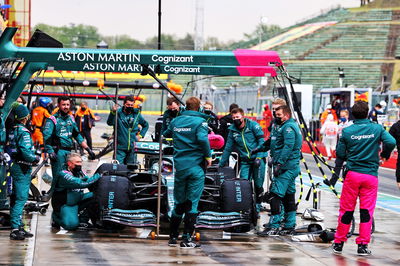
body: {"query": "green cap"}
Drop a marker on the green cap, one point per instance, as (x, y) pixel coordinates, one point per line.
(20, 111)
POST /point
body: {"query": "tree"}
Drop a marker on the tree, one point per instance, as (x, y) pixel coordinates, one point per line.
(73, 35)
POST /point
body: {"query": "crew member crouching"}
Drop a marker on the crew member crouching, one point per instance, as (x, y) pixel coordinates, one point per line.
(71, 206)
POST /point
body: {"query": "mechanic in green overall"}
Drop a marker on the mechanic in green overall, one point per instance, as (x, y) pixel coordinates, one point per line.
(23, 155)
(73, 207)
(285, 145)
(3, 161)
(131, 127)
(246, 135)
(59, 131)
(191, 151)
(174, 109)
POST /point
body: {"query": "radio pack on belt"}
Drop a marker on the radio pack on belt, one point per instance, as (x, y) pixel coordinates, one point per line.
(113, 192)
(236, 196)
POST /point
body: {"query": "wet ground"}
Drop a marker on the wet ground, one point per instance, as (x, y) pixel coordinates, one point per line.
(133, 247)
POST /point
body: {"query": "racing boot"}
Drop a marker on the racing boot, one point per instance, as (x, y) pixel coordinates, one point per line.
(190, 221)
(16, 234)
(26, 233)
(174, 230)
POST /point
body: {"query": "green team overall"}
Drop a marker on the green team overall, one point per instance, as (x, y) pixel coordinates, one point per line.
(71, 206)
(129, 119)
(59, 131)
(246, 135)
(173, 110)
(191, 148)
(23, 155)
(285, 143)
(3, 161)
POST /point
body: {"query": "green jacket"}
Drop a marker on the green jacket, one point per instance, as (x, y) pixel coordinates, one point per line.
(128, 127)
(59, 131)
(360, 145)
(244, 140)
(167, 117)
(74, 185)
(22, 148)
(286, 141)
(190, 138)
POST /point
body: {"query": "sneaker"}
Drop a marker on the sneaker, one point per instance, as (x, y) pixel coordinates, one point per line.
(363, 250)
(16, 234)
(286, 232)
(269, 232)
(188, 243)
(337, 248)
(173, 242)
(26, 233)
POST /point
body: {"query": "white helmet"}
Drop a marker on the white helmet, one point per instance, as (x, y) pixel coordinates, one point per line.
(383, 103)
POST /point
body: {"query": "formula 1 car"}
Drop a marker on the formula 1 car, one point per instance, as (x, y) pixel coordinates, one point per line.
(127, 194)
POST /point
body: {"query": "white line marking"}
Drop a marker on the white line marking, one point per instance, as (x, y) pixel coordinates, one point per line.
(30, 252)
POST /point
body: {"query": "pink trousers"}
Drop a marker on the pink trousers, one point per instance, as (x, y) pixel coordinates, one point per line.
(366, 188)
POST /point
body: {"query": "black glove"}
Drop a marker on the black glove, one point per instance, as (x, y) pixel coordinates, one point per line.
(53, 157)
(36, 161)
(254, 151)
(92, 156)
(277, 169)
(257, 163)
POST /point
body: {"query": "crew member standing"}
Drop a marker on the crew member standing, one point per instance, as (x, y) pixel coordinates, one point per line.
(344, 122)
(213, 122)
(174, 109)
(39, 116)
(285, 144)
(129, 120)
(84, 118)
(225, 122)
(191, 149)
(246, 135)
(359, 146)
(59, 132)
(24, 157)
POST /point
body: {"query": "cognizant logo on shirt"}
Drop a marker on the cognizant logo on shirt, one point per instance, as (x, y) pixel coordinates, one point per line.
(182, 129)
(362, 136)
